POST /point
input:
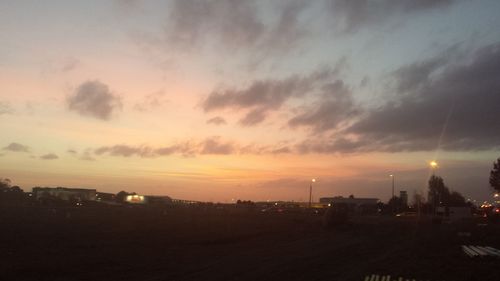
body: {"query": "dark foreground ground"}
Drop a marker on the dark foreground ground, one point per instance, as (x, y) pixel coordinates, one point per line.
(231, 244)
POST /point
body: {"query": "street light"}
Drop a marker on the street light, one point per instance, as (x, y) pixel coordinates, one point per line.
(310, 192)
(434, 165)
(392, 176)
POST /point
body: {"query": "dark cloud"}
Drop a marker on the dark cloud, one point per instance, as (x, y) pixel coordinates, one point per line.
(125, 151)
(263, 96)
(231, 21)
(217, 121)
(72, 151)
(235, 24)
(454, 108)
(93, 98)
(335, 106)
(335, 145)
(213, 145)
(50, 156)
(287, 31)
(216, 146)
(17, 147)
(186, 149)
(140, 151)
(5, 108)
(352, 15)
(210, 146)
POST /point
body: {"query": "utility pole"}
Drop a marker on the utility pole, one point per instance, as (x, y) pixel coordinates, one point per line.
(392, 205)
(310, 192)
(392, 186)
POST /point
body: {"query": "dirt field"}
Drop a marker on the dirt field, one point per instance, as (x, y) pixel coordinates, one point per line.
(231, 244)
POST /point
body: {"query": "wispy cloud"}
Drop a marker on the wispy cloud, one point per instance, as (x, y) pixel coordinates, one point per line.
(151, 101)
(17, 147)
(6, 108)
(353, 15)
(335, 106)
(215, 145)
(217, 120)
(50, 156)
(234, 24)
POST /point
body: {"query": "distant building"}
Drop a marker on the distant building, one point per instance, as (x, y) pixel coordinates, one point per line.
(454, 213)
(404, 197)
(356, 205)
(64, 193)
(135, 199)
(158, 200)
(105, 197)
(148, 199)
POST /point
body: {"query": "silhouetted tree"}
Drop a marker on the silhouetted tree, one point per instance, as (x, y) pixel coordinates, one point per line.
(120, 196)
(396, 204)
(456, 200)
(438, 192)
(4, 184)
(495, 176)
(10, 195)
(16, 189)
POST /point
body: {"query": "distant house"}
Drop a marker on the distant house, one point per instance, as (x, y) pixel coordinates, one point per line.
(158, 200)
(355, 205)
(64, 193)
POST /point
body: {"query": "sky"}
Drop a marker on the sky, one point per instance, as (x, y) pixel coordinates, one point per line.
(220, 100)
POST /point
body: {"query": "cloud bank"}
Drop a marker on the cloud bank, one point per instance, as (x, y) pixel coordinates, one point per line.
(442, 103)
(264, 96)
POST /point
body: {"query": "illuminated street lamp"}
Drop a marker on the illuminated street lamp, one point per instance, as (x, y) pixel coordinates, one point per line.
(392, 176)
(310, 192)
(434, 166)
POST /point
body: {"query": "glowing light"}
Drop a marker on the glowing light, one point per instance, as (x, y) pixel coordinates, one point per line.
(135, 199)
(313, 180)
(433, 164)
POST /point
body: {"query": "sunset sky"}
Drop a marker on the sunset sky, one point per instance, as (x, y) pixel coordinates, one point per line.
(221, 100)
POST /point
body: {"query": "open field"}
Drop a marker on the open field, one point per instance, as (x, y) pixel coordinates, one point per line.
(231, 244)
